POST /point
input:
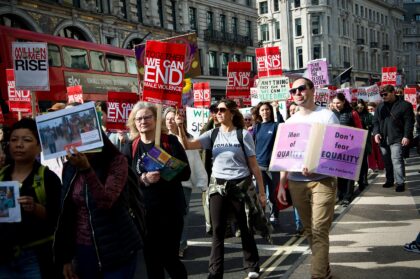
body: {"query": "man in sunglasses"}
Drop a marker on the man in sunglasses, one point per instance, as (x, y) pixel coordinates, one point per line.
(393, 129)
(313, 194)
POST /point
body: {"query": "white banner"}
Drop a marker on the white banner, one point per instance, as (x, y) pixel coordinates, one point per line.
(196, 119)
(273, 89)
(30, 62)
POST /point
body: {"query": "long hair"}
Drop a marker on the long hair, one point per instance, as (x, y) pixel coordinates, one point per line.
(361, 102)
(238, 118)
(257, 115)
(340, 96)
(131, 122)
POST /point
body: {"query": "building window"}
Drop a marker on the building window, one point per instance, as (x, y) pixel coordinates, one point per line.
(328, 25)
(265, 35)
(173, 14)
(192, 14)
(248, 2)
(418, 59)
(236, 58)
(299, 57)
(213, 64)
(160, 11)
(417, 17)
(329, 53)
(315, 25)
(139, 11)
(224, 59)
(123, 8)
(298, 27)
(361, 11)
(263, 7)
(248, 29)
(277, 29)
(209, 20)
(276, 5)
(356, 8)
(235, 26)
(223, 23)
(317, 52)
(297, 3)
(250, 58)
(315, 2)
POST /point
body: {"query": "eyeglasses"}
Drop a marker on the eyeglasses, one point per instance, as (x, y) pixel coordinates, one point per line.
(145, 118)
(299, 88)
(222, 110)
(383, 94)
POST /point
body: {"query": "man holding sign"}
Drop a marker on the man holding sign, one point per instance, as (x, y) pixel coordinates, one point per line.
(313, 194)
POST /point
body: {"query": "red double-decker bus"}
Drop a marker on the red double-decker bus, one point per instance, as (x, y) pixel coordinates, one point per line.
(97, 68)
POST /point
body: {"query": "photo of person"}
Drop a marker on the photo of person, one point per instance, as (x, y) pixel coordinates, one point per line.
(7, 201)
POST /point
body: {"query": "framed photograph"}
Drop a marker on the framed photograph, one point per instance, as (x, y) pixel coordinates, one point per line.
(9, 206)
(76, 126)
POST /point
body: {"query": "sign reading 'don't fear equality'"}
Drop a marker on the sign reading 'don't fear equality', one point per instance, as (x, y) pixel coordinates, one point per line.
(164, 73)
(30, 63)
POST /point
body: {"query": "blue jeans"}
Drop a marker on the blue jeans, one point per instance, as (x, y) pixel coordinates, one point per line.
(86, 266)
(187, 195)
(298, 223)
(26, 266)
(394, 163)
(271, 180)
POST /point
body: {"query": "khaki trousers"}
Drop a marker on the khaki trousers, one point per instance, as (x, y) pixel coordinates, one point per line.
(315, 202)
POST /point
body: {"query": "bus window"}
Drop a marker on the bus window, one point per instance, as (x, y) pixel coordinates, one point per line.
(54, 59)
(75, 58)
(97, 61)
(116, 64)
(131, 65)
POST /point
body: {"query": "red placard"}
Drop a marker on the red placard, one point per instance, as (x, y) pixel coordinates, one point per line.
(164, 73)
(202, 94)
(389, 76)
(119, 107)
(1, 116)
(75, 94)
(19, 100)
(268, 61)
(410, 95)
(238, 79)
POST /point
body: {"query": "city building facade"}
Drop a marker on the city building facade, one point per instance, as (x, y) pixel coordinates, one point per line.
(411, 42)
(227, 30)
(365, 35)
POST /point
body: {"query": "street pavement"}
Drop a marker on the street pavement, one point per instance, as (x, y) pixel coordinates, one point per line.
(367, 238)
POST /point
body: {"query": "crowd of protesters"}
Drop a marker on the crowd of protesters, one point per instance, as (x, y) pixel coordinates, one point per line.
(88, 231)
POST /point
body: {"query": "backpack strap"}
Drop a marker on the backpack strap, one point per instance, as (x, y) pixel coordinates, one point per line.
(240, 136)
(213, 136)
(134, 146)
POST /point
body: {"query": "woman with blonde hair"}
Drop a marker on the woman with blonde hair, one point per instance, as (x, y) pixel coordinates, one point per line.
(164, 227)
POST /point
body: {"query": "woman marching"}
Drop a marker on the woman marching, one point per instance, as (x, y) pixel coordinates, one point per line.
(164, 200)
(231, 187)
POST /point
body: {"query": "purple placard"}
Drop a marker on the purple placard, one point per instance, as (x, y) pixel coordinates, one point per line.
(318, 72)
(342, 152)
(289, 150)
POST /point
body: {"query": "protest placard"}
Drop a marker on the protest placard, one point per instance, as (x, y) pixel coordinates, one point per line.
(197, 118)
(268, 61)
(75, 94)
(19, 100)
(119, 106)
(164, 73)
(30, 63)
(77, 126)
(10, 211)
(410, 95)
(1, 116)
(202, 94)
(347, 93)
(389, 76)
(238, 79)
(273, 89)
(318, 72)
(373, 94)
(254, 96)
(322, 97)
(298, 145)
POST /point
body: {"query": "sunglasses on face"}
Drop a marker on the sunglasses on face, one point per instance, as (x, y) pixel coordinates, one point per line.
(222, 110)
(299, 88)
(383, 94)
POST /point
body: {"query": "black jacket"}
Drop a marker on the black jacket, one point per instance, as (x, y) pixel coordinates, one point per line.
(394, 121)
(114, 233)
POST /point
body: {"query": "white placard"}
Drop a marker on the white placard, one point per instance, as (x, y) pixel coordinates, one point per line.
(196, 119)
(9, 205)
(30, 63)
(76, 126)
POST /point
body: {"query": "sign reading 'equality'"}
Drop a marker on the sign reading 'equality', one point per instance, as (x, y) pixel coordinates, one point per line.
(30, 62)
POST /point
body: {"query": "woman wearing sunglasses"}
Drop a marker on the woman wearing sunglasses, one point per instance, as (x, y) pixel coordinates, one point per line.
(347, 117)
(231, 187)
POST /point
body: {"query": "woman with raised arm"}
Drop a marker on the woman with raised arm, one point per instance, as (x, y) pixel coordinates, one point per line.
(231, 186)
